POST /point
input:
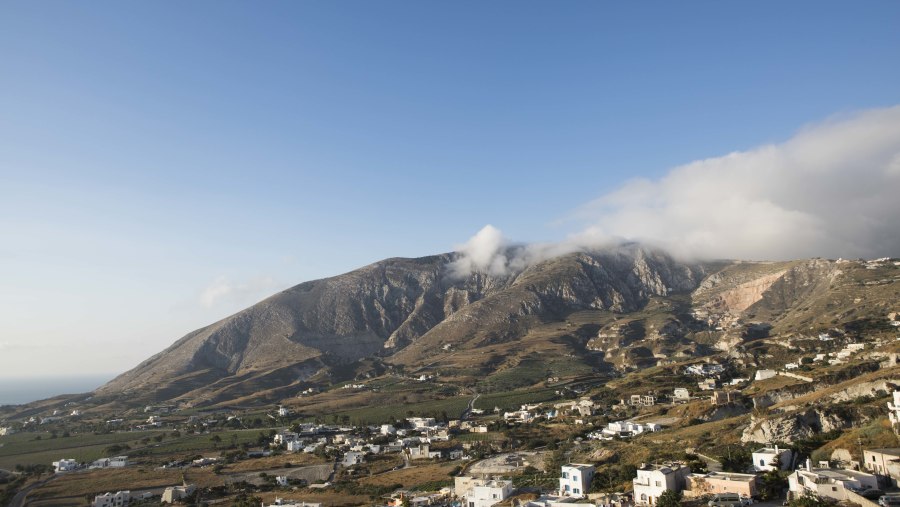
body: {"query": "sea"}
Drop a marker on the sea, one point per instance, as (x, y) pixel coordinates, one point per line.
(19, 390)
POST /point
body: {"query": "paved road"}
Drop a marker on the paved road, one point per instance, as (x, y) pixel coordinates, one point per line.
(19, 499)
(468, 411)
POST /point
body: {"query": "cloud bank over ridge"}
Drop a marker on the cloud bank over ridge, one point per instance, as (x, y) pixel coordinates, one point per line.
(831, 190)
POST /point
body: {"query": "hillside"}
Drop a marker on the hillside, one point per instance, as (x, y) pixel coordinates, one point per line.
(604, 312)
(405, 313)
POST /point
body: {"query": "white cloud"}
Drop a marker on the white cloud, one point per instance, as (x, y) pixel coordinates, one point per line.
(223, 291)
(832, 190)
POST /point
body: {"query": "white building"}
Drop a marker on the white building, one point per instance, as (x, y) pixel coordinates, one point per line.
(829, 482)
(654, 480)
(628, 428)
(764, 374)
(120, 499)
(764, 458)
(283, 411)
(894, 409)
(353, 458)
(681, 394)
(575, 480)
(281, 502)
(420, 423)
(175, 493)
(295, 446)
(388, 429)
(284, 436)
(884, 462)
(65, 465)
(705, 369)
(487, 493)
(114, 462)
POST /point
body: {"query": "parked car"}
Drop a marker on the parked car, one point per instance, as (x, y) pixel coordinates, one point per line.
(725, 500)
(889, 501)
(872, 494)
(868, 493)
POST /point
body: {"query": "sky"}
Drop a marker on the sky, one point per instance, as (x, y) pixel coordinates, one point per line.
(163, 164)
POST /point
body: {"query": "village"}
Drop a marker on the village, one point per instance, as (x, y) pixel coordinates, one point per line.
(484, 475)
(820, 426)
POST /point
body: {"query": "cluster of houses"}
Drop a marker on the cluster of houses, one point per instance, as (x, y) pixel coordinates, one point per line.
(414, 442)
(69, 465)
(623, 429)
(171, 494)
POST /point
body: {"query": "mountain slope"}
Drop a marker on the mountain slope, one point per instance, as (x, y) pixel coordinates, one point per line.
(624, 309)
(404, 310)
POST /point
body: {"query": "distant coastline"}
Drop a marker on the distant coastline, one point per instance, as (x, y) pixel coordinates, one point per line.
(19, 390)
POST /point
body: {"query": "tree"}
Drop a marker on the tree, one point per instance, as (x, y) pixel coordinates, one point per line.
(772, 483)
(808, 500)
(669, 498)
(215, 440)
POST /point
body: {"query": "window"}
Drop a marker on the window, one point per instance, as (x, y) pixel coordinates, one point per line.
(574, 477)
(658, 484)
(565, 475)
(576, 491)
(762, 462)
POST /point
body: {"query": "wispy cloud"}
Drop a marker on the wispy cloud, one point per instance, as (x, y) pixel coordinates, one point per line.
(832, 190)
(223, 291)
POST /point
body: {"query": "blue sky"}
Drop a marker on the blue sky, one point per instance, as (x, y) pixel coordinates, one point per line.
(164, 164)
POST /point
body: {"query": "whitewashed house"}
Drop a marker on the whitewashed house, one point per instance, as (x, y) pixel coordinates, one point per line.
(353, 458)
(884, 462)
(114, 462)
(829, 482)
(894, 409)
(654, 480)
(65, 465)
(764, 374)
(420, 423)
(281, 502)
(285, 436)
(173, 494)
(764, 459)
(487, 493)
(681, 394)
(120, 499)
(575, 480)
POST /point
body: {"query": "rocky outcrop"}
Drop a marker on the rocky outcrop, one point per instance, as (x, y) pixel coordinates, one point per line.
(801, 425)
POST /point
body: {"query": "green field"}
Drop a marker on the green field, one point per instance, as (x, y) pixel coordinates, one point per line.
(514, 399)
(24, 449)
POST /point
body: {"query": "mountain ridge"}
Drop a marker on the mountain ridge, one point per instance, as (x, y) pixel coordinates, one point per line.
(623, 308)
(385, 307)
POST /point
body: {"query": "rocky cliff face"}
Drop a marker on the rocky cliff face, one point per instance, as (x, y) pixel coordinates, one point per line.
(797, 426)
